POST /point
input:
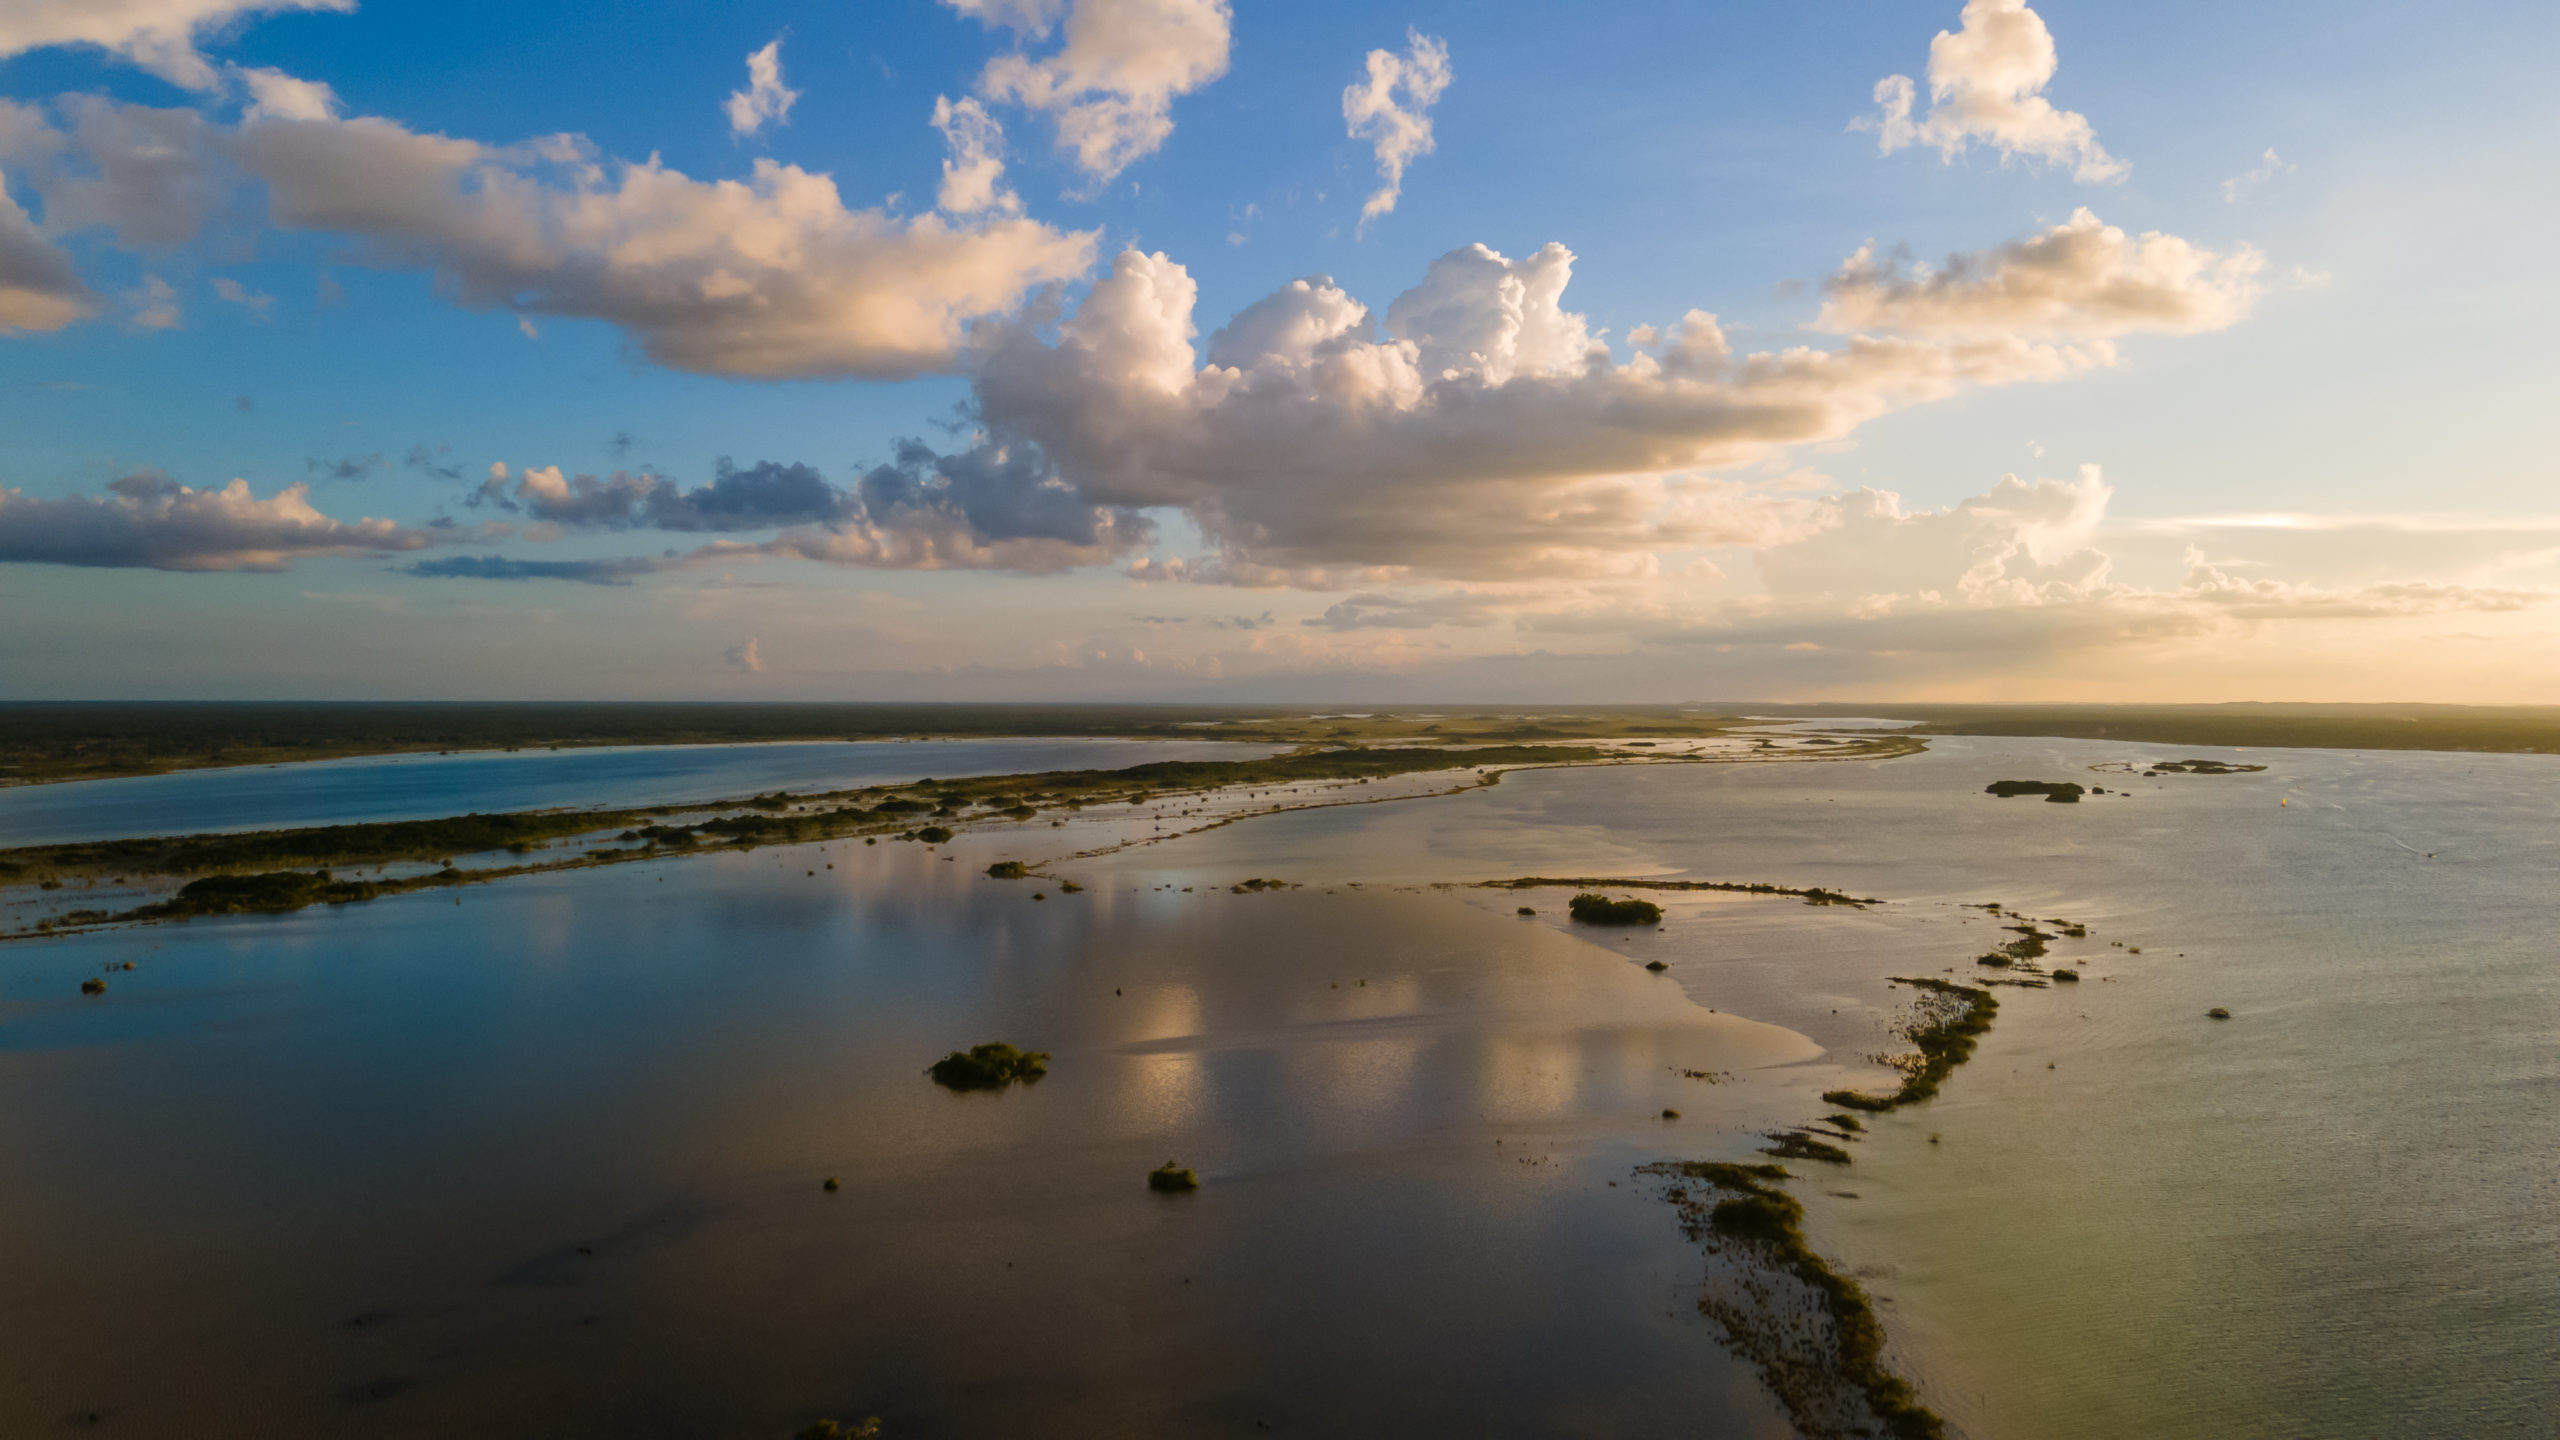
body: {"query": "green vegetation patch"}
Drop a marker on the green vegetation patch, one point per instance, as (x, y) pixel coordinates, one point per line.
(1593, 909)
(1172, 1178)
(1008, 870)
(332, 845)
(1825, 1363)
(992, 1066)
(1949, 1020)
(258, 894)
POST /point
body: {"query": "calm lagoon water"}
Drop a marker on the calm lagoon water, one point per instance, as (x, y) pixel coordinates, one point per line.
(546, 1161)
(427, 787)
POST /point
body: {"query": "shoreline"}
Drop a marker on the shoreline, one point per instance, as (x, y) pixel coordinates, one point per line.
(300, 860)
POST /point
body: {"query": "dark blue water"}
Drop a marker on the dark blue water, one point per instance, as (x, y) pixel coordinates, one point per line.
(426, 787)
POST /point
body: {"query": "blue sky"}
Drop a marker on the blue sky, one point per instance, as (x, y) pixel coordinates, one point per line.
(2313, 405)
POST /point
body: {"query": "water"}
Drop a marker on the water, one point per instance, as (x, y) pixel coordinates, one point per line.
(333, 1172)
(2329, 1216)
(426, 787)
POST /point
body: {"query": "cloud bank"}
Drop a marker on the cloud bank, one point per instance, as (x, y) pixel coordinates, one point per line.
(1479, 429)
(158, 35)
(768, 277)
(149, 521)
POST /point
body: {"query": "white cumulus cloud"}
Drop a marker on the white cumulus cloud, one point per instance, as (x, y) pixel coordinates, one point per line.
(1399, 129)
(1478, 429)
(973, 173)
(2081, 278)
(1111, 84)
(158, 35)
(274, 95)
(768, 276)
(765, 99)
(1986, 84)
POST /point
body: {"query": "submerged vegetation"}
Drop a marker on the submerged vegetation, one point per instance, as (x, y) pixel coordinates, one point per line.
(1797, 1145)
(1950, 1019)
(1824, 1362)
(1595, 909)
(992, 1066)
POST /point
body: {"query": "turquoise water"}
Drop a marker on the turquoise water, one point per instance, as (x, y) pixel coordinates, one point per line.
(426, 787)
(333, 1172)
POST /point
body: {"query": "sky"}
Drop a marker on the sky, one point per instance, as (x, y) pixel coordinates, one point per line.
(1197, 350)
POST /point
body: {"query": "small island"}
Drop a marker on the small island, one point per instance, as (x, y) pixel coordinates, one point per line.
(1592, 909)
(992, 1066)
(2059, 792)
(2199, 767)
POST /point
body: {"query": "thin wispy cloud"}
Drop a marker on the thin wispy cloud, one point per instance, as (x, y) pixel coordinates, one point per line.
(766, 100)
(1391, 109)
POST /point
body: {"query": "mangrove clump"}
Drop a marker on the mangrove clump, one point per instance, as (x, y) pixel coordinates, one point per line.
(1172, 1178)
(2060, 792)
(991, 1066)
(271, 893)
(1595, 909)
(1008, 870)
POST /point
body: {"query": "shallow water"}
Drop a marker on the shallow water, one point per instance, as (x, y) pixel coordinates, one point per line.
(333, 1171)
(548, 1162)
(427, 787)
(2329, 1216)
